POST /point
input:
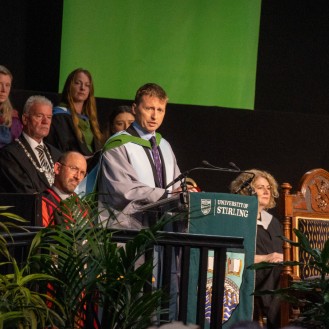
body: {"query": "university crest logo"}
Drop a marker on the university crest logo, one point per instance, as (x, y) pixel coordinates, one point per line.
(205, 206)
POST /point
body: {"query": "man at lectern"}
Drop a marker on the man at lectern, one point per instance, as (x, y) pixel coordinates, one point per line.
(137, 163)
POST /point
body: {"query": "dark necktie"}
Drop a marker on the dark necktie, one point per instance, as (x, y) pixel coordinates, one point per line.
(42, 157)
(156, 158)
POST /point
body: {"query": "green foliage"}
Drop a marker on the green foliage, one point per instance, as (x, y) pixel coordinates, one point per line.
(21, 305)
(96, 273)
(76, 276)
(311, 294)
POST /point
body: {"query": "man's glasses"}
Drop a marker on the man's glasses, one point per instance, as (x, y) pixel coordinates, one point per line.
(75, 170)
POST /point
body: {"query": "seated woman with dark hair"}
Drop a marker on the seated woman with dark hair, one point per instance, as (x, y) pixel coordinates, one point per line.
(10, 124)
(120, 119)
(75, 124)
(268, 241)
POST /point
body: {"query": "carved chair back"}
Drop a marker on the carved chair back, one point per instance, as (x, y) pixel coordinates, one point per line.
(308, 211)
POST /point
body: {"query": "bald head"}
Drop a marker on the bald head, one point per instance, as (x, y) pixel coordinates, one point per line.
(70, 170)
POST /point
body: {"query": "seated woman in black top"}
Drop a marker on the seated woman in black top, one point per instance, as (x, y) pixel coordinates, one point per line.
(268, 242)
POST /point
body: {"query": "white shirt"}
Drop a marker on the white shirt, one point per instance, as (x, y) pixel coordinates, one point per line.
(61, 194)
(33, 143)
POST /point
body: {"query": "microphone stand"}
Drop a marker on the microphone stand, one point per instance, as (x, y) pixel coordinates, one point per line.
(183, 186)
(184, 175)
(244, 184)
(207, 166)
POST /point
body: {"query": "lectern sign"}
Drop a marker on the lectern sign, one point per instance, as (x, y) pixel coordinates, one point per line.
(225, 207)
(225, 215)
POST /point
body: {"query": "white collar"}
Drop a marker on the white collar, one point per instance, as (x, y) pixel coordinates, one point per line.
(61, 194)
(266, 219)
(32, 142)
(141, 132)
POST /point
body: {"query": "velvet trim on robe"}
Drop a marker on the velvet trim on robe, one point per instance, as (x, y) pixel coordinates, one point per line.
(62, 134)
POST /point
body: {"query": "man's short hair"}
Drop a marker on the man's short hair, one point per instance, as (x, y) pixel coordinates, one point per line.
(152, 90)
(63, 157)
(37, 99)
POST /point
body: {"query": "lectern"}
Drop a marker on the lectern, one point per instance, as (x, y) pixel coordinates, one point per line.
(221, 216)
(233, 215)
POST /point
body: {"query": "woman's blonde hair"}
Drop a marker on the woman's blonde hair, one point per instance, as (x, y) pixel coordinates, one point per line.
(89, 106)
(234, 186)
(6, 107)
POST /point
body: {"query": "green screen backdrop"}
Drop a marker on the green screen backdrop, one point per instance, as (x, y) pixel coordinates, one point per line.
(202, 52)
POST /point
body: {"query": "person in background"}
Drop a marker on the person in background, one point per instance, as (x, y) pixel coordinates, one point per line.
(27, 164)
(69, 170)
(120, 119)
(10, 124)
(268, 241)
(75, 124)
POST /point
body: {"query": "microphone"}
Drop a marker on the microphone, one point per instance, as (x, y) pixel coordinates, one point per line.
(233, 165)
(246, 183)
(179, 177)
(207, 165)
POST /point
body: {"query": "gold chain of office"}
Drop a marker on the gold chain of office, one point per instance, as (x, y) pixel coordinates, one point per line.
(49, 174)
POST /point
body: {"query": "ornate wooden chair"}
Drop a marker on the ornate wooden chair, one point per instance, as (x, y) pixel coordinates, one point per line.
(308, 211)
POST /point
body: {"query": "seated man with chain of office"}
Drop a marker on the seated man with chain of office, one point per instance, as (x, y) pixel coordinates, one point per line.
(69, 170)
(27, 164)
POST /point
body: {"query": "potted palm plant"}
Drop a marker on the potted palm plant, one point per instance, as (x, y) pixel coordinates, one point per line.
(76, 276)
(22, 306)
(100, 283)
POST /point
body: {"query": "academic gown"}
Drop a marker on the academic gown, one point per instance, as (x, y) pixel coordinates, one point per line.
(122, 184)
(54, 212)
(127, 180)
(269, 241)
(62, 136)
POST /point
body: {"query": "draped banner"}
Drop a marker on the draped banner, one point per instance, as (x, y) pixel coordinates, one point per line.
(225, 215)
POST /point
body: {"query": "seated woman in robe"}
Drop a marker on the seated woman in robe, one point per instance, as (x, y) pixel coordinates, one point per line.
(75, 124)
(10, 124)
(268, 241)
